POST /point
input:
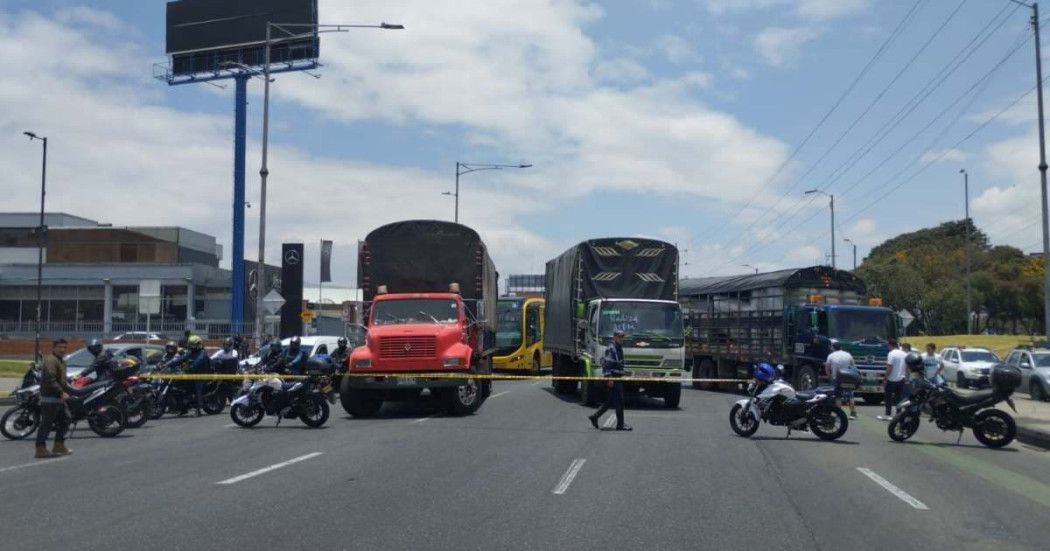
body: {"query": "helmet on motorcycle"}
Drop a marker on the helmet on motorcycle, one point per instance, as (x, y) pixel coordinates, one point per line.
(95, 347)
(171, 347)
(764, 372)
(294, 344)
(227, 344)
(341, 342)
(195, 342)
(914, 363)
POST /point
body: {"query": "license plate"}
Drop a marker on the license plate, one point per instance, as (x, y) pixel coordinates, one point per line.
(406, 381)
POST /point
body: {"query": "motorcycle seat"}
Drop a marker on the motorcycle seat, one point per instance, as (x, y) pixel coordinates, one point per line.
(805, 395)
(974, 398)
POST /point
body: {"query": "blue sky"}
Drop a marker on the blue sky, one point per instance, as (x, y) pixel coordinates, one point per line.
(664, 118)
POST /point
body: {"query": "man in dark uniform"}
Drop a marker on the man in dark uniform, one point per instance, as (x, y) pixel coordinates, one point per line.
(54, 391)
(199, 364)
(612, 366)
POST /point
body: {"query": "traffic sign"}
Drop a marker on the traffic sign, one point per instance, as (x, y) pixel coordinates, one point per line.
(306, 315)
(273, 301)
(906, 317)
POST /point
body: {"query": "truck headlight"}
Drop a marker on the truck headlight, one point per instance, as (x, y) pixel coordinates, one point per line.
(366, 363)
(453, 361)
(674, 364)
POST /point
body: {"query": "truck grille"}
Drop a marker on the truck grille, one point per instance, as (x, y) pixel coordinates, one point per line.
(407, 347)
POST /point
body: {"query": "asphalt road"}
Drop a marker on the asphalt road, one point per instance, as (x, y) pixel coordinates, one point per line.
(526, 472)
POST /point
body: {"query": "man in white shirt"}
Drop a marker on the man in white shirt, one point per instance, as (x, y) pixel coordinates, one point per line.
(933, 365)
(893, 380)
(838, 361)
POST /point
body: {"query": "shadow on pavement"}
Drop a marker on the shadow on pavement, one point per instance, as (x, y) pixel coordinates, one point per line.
(803, 437)
(959, 445)
(631, 401)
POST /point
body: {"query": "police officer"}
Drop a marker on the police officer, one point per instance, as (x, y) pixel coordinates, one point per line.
(103, 364)
(171, 350)
(341, 355)
(273, 357)
(225, 360)
(199, 364)
(294, 359)
(612, 367)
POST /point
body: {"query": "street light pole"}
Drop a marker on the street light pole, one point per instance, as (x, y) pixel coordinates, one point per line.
(832, 197)
(264, 172)
(854, 254)
(1042, 173)
(969, 304)
(41, 240)
(467, 168)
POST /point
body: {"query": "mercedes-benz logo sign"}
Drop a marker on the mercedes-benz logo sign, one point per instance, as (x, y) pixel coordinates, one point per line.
(408, 348)
(291, 256)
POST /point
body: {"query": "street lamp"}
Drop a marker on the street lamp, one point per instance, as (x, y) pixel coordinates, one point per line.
(832, 197)
(40, 241)
(750, 266)
(467, 168)
(854, 254)
(969, 306)
(264, 171)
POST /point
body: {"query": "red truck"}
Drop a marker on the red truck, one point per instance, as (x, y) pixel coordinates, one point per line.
(430, 292)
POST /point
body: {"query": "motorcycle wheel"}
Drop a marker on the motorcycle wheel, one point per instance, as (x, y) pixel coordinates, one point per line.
(828, 423)
(108, 420)
(903, 426)
(317, 411)
(139, 412)
(245, 415)
(994, 428)
(19, 423)
(214, 403)
(742, 422)
(156, 408)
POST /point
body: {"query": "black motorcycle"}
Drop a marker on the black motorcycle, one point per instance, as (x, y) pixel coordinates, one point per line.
(303, 398)
(22, 420)
(97, 403)
(178, 397)
(777, 403)
(952, 411)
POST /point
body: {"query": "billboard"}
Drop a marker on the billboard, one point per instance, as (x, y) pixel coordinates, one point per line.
(291, 289)
(203, 35)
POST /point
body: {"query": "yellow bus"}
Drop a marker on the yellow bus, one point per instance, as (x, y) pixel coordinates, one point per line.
(519, 335)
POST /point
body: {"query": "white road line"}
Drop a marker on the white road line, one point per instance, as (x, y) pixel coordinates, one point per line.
(569, 476)
(36, 464)
(498, 394)
(424, 419)
(893, 489)
(609, 422)
(265, 470)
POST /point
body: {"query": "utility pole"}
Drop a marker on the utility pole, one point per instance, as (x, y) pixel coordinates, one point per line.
(969, 303)
(41, 241)
(1042, 173)
(832, 198)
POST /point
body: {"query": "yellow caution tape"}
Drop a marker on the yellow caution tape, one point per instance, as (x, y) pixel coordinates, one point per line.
(480, 376)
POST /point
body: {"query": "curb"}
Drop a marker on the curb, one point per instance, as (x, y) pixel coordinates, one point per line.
(10, 401)
(1033, 437)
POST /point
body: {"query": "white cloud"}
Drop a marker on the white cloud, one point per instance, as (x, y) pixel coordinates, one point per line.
(781, 47)
(807, 255)
(1025, 112)
(620, 71)
(676, 49)
(947, 155)
(812, 10)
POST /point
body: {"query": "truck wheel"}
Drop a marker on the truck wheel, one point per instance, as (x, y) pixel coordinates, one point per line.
(464, 399)
(672, 395)
(486, 390)
(588, 394)
(359, 403)
(707, 371)
(873, 399)
(806, 379)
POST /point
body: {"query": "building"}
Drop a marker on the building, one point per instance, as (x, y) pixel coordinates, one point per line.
(92, 272)
(524, 285)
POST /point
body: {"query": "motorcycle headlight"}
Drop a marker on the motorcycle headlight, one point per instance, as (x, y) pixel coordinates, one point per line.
(674, 364)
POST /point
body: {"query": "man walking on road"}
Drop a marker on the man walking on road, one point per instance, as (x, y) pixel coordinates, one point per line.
(893, 380)
(839, 361)
(54, 391)
(933, 365)
(612, 366)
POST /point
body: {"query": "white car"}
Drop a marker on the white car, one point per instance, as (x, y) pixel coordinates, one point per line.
(139, 336)
(311, 345)
(968, 367)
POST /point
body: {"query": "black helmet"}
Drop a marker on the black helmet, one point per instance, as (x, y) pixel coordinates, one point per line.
(914, 363)
(227, 344)
(95, 347)
(294, 345)
(171, 347)
(275, 345)
(341, 342)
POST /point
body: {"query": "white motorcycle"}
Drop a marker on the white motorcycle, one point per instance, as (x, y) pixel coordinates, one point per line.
(777, 403)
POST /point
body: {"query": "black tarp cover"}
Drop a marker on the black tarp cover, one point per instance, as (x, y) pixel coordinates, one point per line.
(425, 256)
(815, 276)
(620, 267)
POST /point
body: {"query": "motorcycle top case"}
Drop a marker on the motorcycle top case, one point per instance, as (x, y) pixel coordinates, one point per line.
(1005, 378)
(849, 378)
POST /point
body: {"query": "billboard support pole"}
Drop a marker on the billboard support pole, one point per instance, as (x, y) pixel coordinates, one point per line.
(239, 145)
(260, 312)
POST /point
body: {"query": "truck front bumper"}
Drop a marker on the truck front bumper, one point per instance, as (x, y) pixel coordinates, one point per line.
(404, 381)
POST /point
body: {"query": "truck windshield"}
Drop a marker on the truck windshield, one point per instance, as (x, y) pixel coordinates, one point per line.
(859, 325)
(415, 310)
(641, 319)
(508, 325)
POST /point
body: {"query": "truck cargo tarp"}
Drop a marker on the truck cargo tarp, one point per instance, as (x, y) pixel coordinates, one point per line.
(815, 276)
(605, 268)
(425, 256)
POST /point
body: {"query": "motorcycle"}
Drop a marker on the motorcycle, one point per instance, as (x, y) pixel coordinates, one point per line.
(137, 399)
(97, 403)
(303, 398)
(178, 396)
(777, 403)
(952, 411)
(21, 421)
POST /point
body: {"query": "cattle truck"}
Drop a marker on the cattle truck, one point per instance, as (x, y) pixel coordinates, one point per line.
(599, 286)
(787, 318)
(429, 288)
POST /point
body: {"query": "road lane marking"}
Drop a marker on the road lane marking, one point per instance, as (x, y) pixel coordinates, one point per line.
(265, 470)
(609, 422)
(36, 464)
(569, 476)
(498, 394)
(424, 419)
(904, 496)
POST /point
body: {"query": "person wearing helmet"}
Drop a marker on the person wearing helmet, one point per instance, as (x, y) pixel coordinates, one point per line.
(764, 372)
(293, 360)
(103, 364)
(273, 357)
(341, 355)
(199, 364)
(225, 360)
(612, 366)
